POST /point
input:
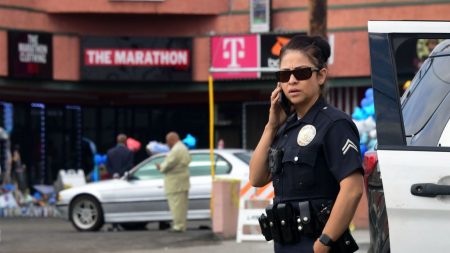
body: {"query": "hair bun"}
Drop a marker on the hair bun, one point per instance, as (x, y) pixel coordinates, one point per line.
(324, 47)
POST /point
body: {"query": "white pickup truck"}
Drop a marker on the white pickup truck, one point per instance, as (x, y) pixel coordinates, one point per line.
(408, 176)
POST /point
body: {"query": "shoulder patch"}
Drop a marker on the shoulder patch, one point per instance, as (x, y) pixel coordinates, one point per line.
(348, 145)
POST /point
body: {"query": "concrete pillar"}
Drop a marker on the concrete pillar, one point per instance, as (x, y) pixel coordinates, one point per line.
(225, 207)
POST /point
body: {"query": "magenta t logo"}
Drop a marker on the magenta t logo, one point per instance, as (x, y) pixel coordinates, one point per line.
(233, 49)
(235, 53)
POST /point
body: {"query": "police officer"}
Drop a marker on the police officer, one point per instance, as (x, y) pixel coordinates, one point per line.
(317, 146)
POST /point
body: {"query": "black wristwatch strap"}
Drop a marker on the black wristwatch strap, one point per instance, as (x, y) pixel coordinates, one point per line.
(326, 240)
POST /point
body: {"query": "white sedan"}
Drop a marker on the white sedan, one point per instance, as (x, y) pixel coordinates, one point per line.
(138, 197)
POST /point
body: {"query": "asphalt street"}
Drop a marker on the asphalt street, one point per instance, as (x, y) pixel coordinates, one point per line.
(52, 235)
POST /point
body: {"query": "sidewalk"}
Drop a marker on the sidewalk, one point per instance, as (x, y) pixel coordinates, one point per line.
(226, 246)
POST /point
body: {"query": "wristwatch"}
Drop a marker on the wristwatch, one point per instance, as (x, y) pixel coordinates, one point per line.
(326, 240)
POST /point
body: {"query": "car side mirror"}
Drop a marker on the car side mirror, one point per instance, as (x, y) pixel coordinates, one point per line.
(128, 176)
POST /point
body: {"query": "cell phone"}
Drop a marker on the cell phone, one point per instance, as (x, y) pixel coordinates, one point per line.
(285, 103)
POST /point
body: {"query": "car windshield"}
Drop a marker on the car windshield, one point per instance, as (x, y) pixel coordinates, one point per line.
(147, 169)
(429, 87)
(200, 165)
(244, 156)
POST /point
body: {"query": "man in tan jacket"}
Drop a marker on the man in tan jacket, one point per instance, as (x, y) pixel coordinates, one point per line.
(176, 180)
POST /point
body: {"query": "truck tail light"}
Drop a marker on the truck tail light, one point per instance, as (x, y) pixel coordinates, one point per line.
(369, 164)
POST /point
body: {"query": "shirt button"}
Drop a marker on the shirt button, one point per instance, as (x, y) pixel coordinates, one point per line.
(296, 158)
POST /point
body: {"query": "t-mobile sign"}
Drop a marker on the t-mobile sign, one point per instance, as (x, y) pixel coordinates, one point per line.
(30, 55)
(136, 59)
(234, 53)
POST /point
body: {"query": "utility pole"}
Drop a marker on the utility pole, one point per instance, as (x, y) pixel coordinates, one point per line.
(317, 12)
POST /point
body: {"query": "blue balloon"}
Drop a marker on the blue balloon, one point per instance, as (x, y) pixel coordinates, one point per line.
(362, 149)
(369, 110)
(190, 141)
(95, 175)
(364, 138)
(359, 114)
(9, 187)
(104, 158)
(52, 199)
(97, 159)
(37, 196)
(372, 143)
(156, 147)
(366, 102)
(369, 93)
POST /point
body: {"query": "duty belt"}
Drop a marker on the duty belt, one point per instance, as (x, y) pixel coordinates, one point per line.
(287, 223)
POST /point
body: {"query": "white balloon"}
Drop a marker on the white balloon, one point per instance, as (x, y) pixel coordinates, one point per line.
(359, 124)
(373, 134)
(370, 123)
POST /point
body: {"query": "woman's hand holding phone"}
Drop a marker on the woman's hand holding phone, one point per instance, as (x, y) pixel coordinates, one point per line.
(285, 103)
(277, 115)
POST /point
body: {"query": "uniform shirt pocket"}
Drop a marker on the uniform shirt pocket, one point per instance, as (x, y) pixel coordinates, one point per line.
(299, 169)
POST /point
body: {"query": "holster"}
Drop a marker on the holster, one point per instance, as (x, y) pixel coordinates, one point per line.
(304, 220)
(265, 227)
(286, 217)
(273, 224)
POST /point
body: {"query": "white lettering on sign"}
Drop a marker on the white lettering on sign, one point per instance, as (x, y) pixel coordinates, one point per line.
(137, 57)
(99, 57)
(31, 51)
(233, 49)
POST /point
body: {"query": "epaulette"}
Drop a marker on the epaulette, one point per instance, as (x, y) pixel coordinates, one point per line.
(334, 114)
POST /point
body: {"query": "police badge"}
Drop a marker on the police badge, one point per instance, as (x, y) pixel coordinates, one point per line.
(306, 135)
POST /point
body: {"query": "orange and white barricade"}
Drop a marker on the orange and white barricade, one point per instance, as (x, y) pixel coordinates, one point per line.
(253, 202)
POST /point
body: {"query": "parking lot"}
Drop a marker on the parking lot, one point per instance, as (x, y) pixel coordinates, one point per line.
(39, 235)
(56, 235)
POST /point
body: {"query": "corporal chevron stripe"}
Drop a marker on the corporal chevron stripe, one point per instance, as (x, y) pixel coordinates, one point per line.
(349, 144)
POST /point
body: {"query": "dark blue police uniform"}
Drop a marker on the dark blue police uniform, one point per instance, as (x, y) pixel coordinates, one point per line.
(319, 150)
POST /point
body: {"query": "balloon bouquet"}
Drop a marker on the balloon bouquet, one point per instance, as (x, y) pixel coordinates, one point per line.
(100, 172)
(364, 118)
(155, 147)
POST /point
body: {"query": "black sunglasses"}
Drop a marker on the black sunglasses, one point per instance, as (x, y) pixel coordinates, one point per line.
(300, 73)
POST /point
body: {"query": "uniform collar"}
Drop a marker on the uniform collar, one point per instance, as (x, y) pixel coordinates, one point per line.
(292, 121)
(312, 112)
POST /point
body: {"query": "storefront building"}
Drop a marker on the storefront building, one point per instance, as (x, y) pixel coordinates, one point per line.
(74, 72)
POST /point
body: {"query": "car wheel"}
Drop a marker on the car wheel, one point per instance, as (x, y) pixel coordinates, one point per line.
(134, 226)
(163, 225)
(86, 214)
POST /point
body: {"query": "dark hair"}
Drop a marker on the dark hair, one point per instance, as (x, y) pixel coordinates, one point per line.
(315, 48)
(122, 138)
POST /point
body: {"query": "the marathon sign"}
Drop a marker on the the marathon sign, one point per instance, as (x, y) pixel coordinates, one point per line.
(136, 59)
(30, 55)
